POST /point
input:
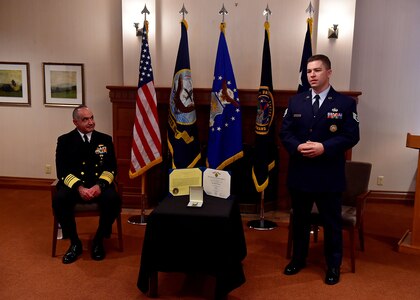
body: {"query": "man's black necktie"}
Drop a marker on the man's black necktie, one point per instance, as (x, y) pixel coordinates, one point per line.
(86, 139)
(315, 106)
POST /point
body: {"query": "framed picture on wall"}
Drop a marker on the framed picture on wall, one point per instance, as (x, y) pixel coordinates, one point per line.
(14, 84)
(63, 84)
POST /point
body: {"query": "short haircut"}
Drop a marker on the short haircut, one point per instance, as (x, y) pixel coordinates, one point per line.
(325, 60)
(76, 111)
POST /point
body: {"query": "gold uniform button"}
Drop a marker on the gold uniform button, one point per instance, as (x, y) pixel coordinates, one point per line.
(83, 173)
(83, 163)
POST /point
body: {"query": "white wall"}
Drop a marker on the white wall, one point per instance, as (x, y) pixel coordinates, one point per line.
(61, 31)
(376, 59)
(385, 67)
(339, 50)
(244, 35)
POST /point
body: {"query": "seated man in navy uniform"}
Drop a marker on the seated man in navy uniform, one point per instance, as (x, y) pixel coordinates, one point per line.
(86, 169)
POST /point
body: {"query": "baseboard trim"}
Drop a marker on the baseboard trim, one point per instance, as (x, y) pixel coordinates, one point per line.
(391, 197)
(25, 183)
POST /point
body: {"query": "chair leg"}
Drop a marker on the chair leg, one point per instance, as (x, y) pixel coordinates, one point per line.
(290, 239)
(361, 238)
(54, 239)
(352, 250)
(315, 230)
(119, 229)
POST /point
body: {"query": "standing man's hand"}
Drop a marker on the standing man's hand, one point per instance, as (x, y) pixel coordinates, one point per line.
(311, 149)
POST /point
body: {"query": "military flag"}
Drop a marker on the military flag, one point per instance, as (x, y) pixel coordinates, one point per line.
(265, 147)
(225, 132)
(183, 141)
(146, 150)
(306, 53)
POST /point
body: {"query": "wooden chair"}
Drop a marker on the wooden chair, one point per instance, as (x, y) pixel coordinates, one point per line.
(83, 210)
(354, 199)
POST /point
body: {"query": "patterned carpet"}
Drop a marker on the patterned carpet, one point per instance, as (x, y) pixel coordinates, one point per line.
(29, 271)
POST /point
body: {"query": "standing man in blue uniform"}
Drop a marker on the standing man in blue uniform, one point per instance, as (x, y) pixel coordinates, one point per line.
(318, 127)
(86, 169)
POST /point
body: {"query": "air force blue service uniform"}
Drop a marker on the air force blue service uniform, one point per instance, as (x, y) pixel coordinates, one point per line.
(79, 163)
(320, 179)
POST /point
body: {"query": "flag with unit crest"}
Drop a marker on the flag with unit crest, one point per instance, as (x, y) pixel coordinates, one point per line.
(225, 132)
(183, 142)
(265, 147)
(306, 53)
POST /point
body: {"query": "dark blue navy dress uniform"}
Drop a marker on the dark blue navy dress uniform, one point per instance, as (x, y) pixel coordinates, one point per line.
(80, 163)
(320, 179)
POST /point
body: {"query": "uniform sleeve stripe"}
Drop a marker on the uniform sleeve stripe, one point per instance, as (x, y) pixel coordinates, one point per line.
(70, 180)
(108, 176)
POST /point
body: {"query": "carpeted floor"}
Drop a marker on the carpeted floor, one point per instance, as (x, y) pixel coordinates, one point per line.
(29, 272)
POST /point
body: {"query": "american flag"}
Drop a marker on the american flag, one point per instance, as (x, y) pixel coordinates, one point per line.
(146, 150)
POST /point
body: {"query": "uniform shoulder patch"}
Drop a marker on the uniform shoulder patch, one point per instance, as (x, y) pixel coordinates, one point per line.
(356, 117)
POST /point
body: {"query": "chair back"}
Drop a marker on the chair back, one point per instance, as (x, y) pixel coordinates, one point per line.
(357, 181)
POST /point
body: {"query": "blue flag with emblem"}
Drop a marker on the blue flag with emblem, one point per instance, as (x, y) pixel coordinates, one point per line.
(183, 142)
(225, 132)
(265, 146)
(306, 53)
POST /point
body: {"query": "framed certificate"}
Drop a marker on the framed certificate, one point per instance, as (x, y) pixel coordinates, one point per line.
(216, 183)
(180, 180)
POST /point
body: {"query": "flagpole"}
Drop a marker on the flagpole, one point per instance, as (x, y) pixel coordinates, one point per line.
(142, 218)
(262, 223)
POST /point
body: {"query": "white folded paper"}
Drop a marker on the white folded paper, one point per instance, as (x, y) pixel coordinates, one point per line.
(216, 183)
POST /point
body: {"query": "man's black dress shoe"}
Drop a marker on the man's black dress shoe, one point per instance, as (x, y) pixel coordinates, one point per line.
(333, 276)
(98, 251)
(72, 253)
(294, 267)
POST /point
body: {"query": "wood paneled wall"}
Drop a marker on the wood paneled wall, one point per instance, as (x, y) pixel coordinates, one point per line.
(123, 107)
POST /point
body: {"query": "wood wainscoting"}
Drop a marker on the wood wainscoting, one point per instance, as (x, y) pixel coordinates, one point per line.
(24, 183)
(123, 108)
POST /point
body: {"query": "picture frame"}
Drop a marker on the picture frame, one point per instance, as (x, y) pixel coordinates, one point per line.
(63, 84)
(14, 84)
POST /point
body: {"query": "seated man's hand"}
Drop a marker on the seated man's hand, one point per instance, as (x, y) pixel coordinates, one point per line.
(96, 190)
(89, 194)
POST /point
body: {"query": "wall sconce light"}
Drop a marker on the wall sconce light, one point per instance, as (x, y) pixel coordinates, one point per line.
(139, 31)
(333, 32)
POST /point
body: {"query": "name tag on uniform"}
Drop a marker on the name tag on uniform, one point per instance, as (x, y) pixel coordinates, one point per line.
(297, 115)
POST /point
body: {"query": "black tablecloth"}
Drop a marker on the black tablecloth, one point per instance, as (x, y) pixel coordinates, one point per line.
(209, 239)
